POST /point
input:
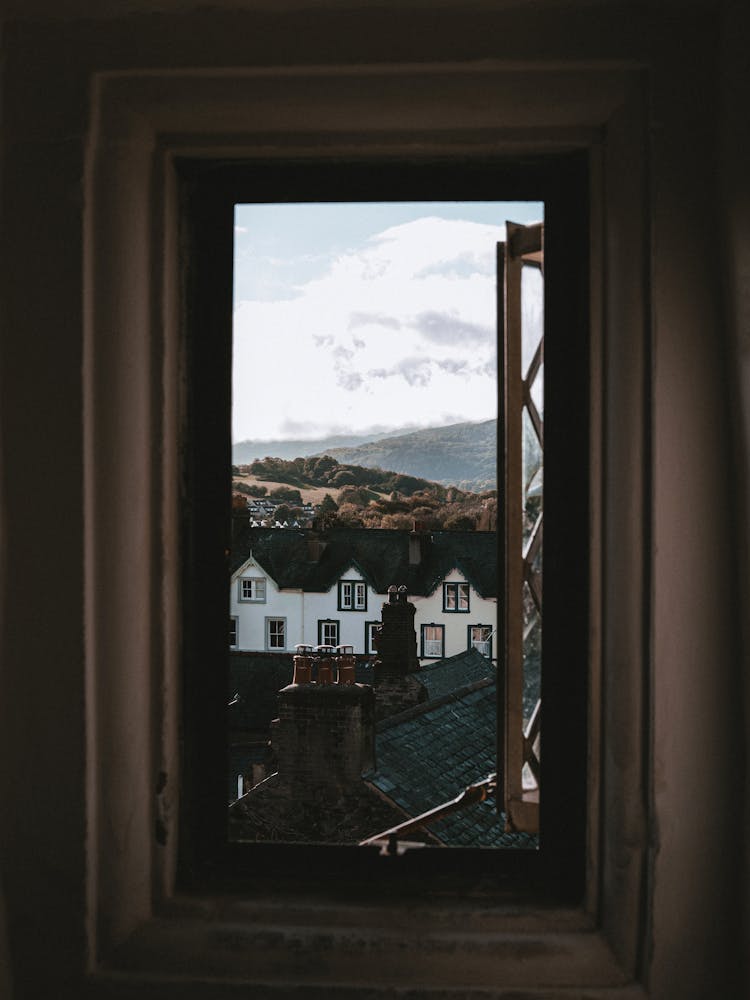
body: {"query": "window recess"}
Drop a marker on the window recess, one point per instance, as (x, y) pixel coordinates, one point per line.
(209, 194)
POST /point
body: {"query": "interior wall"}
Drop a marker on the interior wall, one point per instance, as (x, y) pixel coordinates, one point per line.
(698, 771)
(733, 200)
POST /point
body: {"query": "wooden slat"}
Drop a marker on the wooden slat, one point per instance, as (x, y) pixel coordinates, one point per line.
(513, 405)
(521, 812)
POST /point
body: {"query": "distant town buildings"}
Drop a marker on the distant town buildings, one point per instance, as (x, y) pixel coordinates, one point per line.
(327, 587)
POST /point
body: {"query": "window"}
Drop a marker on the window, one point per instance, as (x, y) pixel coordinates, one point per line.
(480, 638)
(253, 590)
(433, 641)
(370, 638)
(455, 597)
(328, 632)
(275, 633)
(234, 631)
(352, 595)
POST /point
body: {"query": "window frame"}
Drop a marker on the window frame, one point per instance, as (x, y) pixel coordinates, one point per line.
(209, 193)
(470, 644)
(368, 646)
(455, 586)
(423, 640)
(252, 580)
(322, 622)
(353, 584)
(267, 633)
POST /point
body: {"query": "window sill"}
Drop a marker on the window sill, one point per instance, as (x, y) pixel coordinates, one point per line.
(292, 946)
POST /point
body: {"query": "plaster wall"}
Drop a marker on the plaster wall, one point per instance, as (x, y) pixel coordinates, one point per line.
(69, 727)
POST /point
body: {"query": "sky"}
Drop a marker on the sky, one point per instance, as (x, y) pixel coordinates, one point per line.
(364, 318)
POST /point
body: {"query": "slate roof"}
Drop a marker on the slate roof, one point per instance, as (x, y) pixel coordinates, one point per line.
(447, 675)
(429, 754)
(380, 554)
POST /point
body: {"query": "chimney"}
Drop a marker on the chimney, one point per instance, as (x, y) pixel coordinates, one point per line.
(315, 544)
(325, 734)
(418, 541)
(396, 638)
(396, 684)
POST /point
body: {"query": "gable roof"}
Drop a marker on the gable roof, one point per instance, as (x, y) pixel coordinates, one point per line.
(382, 555)
(429, 754)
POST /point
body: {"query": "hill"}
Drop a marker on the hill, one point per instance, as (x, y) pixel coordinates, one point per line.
(462, 455)
(245, 452)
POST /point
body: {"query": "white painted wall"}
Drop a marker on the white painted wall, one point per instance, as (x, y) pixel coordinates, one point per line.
(303, 611)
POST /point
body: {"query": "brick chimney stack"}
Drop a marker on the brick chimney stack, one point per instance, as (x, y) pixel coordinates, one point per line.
(396, 685)
(324, 736)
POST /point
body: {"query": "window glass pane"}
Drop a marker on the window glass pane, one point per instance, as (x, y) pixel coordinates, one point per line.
(532, 314)
(356, 326)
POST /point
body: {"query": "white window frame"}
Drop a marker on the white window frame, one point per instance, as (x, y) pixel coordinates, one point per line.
(370, 649)
(234, 623)
(275, 619)
(257, 590)
(327, 622)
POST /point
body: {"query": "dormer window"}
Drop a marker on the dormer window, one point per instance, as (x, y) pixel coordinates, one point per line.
(455, 597)
(253, 590)
(352, 595)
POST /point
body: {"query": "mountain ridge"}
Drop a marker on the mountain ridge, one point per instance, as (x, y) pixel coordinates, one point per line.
(462, 454)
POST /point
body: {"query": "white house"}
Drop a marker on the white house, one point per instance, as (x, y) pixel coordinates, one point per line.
(303, 586)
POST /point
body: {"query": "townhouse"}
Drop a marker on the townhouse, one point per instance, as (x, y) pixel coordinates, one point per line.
(304, 585)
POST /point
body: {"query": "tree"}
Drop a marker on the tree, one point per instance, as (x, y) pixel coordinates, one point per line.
(239, 504)
(399, 522)
(283, 513)
(460, 522)
(327, 505)
(286, 493)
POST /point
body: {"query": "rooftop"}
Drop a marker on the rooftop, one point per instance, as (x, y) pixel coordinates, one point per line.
(381, 555)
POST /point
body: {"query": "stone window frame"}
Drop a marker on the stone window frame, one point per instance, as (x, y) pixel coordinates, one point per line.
(141, 124)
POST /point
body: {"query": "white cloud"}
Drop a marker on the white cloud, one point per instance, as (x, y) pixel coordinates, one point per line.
(400, 330)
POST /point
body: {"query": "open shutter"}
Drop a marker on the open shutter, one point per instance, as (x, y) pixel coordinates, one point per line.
(521, 320)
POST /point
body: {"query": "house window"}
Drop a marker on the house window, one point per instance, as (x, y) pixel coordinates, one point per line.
(370, 638)
(328, 632)
(275, 633)
(455, 597)
(433, 641)
(480, 638)
(253, 590)
(234, 631)
(352, 595)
